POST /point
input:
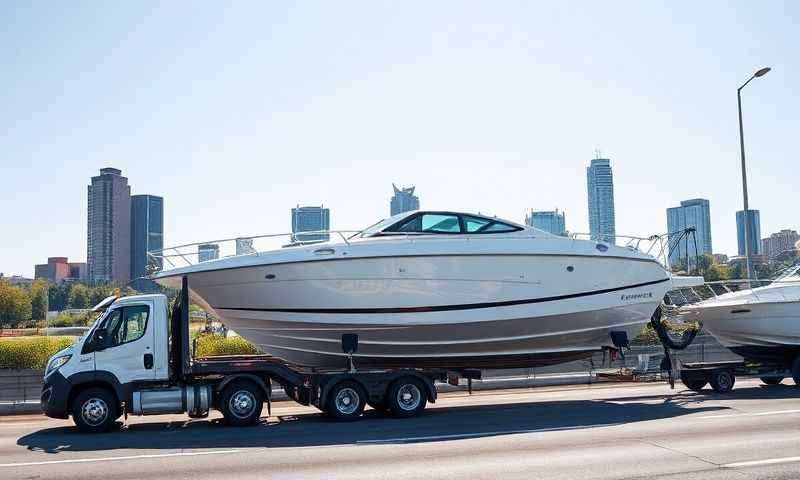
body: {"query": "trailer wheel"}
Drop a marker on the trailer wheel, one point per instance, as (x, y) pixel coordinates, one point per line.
(95, 410)
(796, 371)
(772, 380)
(695, 384)
(346, 401)
(241, 403)
(722, 381)
(406, 397)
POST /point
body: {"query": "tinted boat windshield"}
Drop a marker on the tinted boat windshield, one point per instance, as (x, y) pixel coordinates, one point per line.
(450, 223)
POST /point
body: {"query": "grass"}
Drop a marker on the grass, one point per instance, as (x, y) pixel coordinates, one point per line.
(30, 352)
(216, 345)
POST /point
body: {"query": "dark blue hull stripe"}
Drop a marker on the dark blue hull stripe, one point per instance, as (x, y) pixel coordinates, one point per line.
(443, 308)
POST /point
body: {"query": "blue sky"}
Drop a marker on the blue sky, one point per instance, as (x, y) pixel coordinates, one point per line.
(237, 111)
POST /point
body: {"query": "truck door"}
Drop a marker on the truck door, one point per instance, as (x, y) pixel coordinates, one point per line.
(128, 348)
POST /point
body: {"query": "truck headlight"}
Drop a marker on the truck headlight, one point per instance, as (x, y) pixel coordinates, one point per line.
(56, 363)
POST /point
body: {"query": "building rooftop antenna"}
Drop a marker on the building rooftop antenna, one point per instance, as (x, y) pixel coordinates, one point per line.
(598, 154)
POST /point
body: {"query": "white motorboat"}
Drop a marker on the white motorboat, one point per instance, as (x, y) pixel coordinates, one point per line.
(761, 323)
(431, 289)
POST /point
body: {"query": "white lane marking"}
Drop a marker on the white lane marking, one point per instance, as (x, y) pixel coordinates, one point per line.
(768, 461)
(455, 436)
(759, 414)
(116, 459)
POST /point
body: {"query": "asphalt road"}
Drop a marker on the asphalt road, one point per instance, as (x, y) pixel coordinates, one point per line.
(596, 432)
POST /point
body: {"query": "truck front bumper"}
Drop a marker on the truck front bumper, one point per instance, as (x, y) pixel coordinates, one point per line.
(55, 393)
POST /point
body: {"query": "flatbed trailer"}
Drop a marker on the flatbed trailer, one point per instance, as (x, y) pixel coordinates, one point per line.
(722, 375)
(136, 360)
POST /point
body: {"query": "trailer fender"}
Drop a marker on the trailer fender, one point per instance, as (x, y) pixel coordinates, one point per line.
(245, 376)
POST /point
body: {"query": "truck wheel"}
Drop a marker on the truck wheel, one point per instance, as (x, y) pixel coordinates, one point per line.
(796, 371)
(722, 381)
(695, 384)
(95, 410)
(346, 401)
(406, 397)
(772, 380)
(241, 403)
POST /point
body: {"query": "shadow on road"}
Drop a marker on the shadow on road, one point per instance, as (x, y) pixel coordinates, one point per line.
(435, 424)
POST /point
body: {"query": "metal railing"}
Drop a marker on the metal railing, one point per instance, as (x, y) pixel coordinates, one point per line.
(691, 295)
(193, 253)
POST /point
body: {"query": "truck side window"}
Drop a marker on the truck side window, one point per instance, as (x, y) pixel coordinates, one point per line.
(127, 324)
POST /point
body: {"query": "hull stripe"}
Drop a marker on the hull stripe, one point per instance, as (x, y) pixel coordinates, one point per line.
(442, 308)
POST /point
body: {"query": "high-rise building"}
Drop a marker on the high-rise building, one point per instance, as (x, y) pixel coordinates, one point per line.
(600, 186)
(549, 221)
(754, 233)
(310, 219)
(720, 258)
(147, 232)
(403, 200)
(694, 213)
(778, 243)
(244, 246)
(108, 227)
(207, 252)
(59, 269)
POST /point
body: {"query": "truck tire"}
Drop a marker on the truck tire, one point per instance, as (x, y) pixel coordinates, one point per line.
(695, 384)
(241, 403)
(95, 410)
(796, 371)
(722, 381)
(771, 380)
(407, 397)
(346, 401)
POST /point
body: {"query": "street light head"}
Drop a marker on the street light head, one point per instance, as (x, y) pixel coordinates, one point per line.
(762, 72)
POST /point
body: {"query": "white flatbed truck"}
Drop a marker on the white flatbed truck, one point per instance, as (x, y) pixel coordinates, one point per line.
(135, 360)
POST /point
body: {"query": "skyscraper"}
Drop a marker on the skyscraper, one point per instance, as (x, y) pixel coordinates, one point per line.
(108, 227)
(244, 246)
(691, 213)
(207, 252)
(310, 219)
(147, 232)
(403, 200)
(754, 233)
(780, 243)
(600, 186)
(549, 221)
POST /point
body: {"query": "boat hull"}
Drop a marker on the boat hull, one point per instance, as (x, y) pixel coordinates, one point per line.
(499, 343)
(766, 331)
(442, 310)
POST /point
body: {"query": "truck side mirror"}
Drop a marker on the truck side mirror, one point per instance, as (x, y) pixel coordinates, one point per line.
(99, 339)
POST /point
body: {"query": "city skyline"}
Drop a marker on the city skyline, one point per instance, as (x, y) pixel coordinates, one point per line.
(403, 200)
(600, 192)
(754, 217)
(551, 221)
(694, 213)
(339, 105)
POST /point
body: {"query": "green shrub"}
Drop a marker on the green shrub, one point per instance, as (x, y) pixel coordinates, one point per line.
(30, 352)
(216, 345)
(65, 319)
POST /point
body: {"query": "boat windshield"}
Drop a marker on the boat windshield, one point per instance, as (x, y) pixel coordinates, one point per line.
(791, 274)
(373, 229)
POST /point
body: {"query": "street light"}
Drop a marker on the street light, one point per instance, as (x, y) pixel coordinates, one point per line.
(747, 232)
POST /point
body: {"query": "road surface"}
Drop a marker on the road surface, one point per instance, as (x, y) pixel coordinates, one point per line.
(604, 431)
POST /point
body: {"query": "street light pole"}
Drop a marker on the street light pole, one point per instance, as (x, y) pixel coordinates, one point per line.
(747, 232)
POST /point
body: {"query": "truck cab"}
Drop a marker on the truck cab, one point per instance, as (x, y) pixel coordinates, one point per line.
(126, 348)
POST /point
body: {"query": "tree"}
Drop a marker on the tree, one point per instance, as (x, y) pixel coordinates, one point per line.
(58, 296)
(79, 296)
(716, 272)
(39, 299)
(15, 305)
(98, 293)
